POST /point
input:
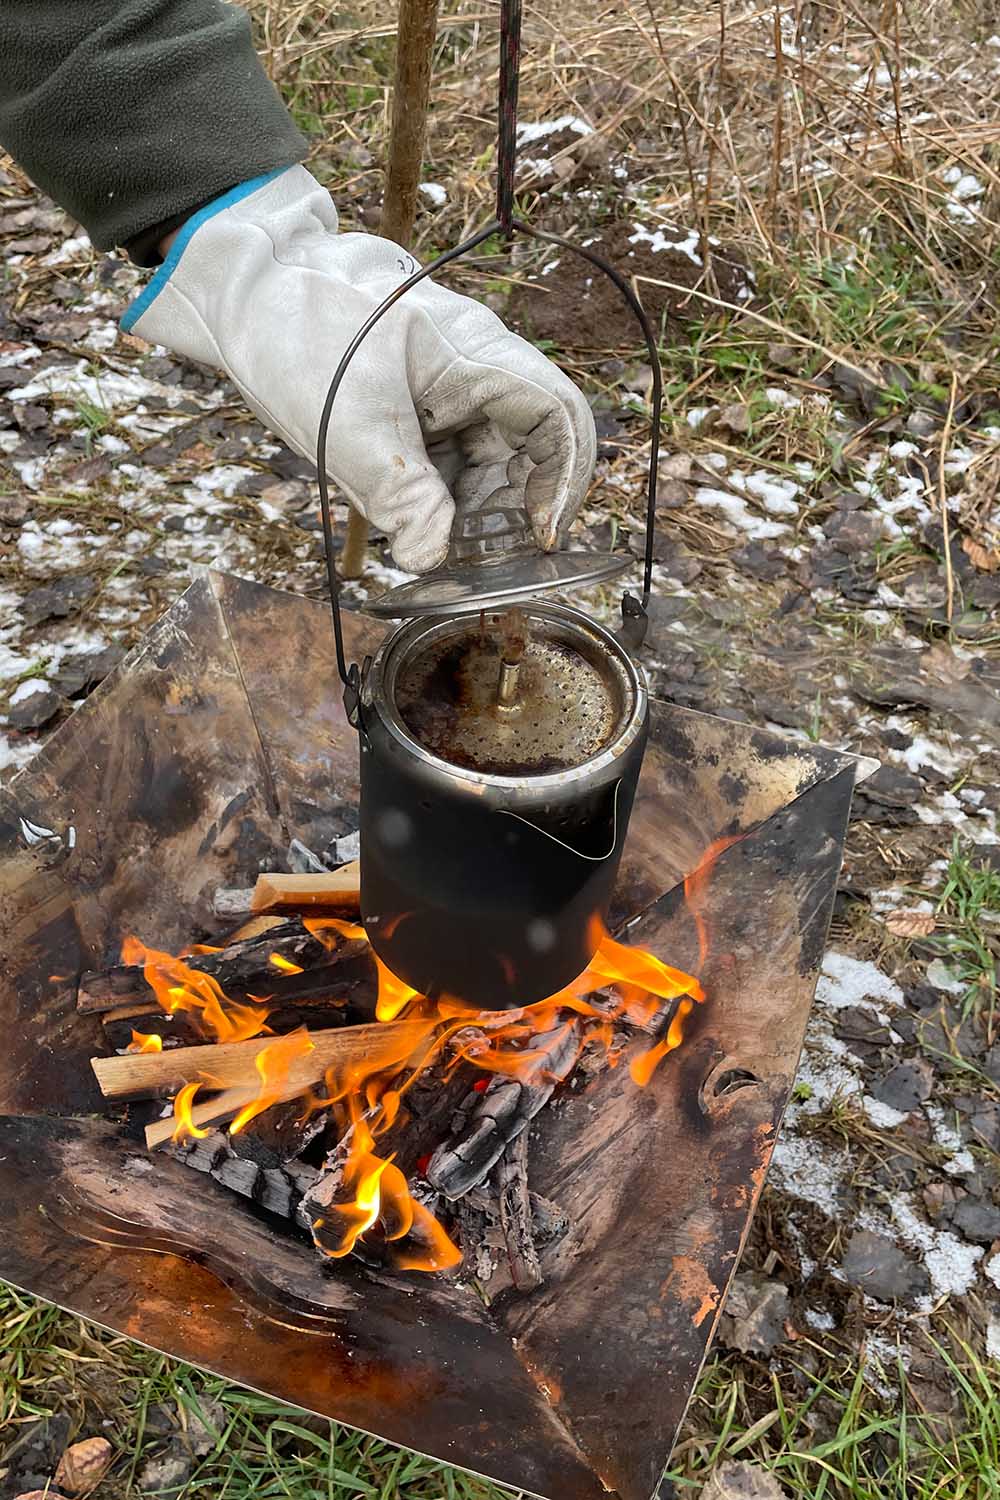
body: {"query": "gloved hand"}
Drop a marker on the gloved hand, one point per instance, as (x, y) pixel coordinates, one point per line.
(262, 286)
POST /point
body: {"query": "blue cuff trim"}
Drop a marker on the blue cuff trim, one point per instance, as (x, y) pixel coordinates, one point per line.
(162, 275)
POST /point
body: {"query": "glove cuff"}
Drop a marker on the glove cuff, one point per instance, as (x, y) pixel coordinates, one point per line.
(159, 280)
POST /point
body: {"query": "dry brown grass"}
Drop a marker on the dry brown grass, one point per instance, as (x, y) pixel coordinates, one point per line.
(815, 126)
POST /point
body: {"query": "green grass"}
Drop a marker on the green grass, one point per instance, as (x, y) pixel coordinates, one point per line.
(968, 906)
(826, 1435)
(53, 1362)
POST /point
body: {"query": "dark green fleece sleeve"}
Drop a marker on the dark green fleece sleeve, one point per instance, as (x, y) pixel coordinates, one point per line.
(131, 112)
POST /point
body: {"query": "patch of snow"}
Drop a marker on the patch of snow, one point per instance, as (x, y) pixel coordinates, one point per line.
(993, 1339)
(70, 249)
(949, 1139)
(31, 471)
(538, 130)
(109, 390)
(992, 1269)
(434, 193)
(109, 443)
(695, 415)
(735, 511)
(943, 977)
(809, 1170)
(951, 1263)
(778, 495)
(657, 240)
(820, 1319)
(20, 355)
(882, 1115)
(922, 751)
(25, 690)
(781, 398)
(965, 188)
(15, 756)
(853, 981)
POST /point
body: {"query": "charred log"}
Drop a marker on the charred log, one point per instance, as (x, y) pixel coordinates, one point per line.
(278, 1134)
(245, 971)
(491, 1120)
(515, 1215)
(279, 1189)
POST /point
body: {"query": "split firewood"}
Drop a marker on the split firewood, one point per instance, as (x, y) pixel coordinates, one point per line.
(337, 891)
(233, 905)
(217, 1111)
(254, 927)
(255, 966)
(147, 1075)
(499, 1114)
(515, 1215)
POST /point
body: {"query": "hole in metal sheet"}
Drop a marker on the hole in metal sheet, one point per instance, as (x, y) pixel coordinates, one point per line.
(733, 1079)
(724, 1080)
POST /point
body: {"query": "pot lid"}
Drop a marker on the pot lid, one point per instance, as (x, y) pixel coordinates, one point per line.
(484, 584)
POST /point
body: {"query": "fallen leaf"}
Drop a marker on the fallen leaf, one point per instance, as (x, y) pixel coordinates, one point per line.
(910, 924)
(735, 417)
(941, 661)
(198, 453)
(84, 1465)
(987, 559)
(39, 1495)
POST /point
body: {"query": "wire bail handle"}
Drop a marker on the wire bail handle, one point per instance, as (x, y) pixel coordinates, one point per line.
(634, 619)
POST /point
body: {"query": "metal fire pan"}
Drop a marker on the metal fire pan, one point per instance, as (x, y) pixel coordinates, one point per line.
(196, 761)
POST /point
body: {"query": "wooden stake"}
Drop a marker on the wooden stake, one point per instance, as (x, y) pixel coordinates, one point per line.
(416, 30)
(146, 1075)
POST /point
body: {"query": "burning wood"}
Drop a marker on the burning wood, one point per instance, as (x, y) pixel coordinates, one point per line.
(247, 968)
(360, 1132)
(149, 1075)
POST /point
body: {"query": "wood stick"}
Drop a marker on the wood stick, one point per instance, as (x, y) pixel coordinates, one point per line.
(339, 891)
(213, 1112)
(255, 927)
(515, 1215)
(417, 28)
(145, 1075)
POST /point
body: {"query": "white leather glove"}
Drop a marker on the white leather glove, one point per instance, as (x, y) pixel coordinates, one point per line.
(262, 286)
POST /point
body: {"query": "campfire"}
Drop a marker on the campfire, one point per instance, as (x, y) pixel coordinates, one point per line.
(289, 1063)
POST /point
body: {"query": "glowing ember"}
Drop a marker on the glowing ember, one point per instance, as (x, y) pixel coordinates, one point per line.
(145, 1042)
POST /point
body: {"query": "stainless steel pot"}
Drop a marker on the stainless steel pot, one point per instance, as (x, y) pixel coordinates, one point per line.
(495, 798)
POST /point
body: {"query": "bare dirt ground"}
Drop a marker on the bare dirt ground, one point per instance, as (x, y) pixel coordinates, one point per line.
(806, 201)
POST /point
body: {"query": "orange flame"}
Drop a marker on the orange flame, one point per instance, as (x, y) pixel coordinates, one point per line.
(178, 987)
(536, 1043)
(285, 965)
(381, 1196)
(328, 929)
(274, 1063)
(393, 994)
(696, 884)
(185, 1126)
(145, 1042)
